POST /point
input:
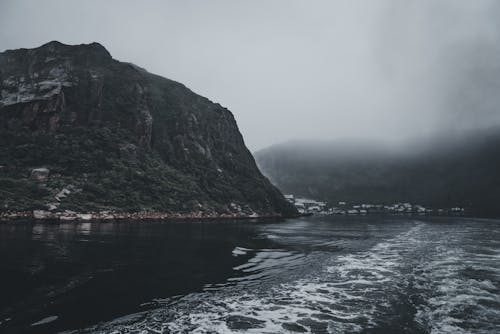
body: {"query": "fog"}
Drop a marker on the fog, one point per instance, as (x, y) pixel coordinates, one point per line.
(385, 70)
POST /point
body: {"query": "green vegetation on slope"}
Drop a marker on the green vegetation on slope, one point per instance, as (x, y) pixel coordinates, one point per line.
(116, 137)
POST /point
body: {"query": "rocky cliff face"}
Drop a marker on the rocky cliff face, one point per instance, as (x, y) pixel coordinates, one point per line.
(114, 136)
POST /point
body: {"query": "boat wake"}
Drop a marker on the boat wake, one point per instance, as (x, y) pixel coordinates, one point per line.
(460, 291)
(420, 281)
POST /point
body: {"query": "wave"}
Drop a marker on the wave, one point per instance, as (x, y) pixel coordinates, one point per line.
(461, 292)
(421, 280)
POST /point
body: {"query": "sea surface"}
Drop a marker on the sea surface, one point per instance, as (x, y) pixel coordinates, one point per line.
(307, 275)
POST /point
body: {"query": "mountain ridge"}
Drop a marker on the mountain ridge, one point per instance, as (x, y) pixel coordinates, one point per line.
(116, 137)
(444, 170)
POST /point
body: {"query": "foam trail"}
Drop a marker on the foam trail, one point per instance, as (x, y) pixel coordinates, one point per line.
(430, 278)
(460, 289)
(345, 297)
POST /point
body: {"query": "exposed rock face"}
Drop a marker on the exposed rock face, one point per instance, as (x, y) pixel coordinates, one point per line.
(129, 139)
(40, 174)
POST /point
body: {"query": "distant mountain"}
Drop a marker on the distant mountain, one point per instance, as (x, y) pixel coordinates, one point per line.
(82, 131)
(442, 171)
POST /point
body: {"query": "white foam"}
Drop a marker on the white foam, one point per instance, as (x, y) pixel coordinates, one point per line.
(346, 297)
(456, 303)
(352, 293)
(45, 320)
(240, 251)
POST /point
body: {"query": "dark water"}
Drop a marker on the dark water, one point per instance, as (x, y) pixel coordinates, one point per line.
(313, 275)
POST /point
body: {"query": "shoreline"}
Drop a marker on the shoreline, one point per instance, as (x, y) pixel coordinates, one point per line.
(71, 216)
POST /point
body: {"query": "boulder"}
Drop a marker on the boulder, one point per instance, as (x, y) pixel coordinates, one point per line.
(41, 214)
(40, 174)
(84, 216)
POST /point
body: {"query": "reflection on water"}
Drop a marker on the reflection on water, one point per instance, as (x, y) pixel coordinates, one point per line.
(83, 273)
(317, 275)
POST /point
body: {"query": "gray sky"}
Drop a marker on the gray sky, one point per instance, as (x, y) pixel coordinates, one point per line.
(386, 69)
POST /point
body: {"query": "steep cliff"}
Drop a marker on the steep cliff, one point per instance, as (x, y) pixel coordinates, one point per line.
(82, 131)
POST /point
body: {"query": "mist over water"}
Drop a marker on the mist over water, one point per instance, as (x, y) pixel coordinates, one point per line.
(386, 70)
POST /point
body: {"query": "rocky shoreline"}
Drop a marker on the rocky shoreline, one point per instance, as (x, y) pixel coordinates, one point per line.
(42, 215)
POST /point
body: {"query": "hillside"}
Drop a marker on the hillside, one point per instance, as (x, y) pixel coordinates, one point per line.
(442, 171)
(84, 132)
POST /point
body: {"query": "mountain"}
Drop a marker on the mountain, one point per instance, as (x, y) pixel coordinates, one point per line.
(447, 170)
(81, 131)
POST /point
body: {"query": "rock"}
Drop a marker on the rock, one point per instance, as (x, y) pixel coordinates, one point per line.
(41, 214)
(39, 174)
(52, 206)
(84, 216)
(107, 126)
(62, 194)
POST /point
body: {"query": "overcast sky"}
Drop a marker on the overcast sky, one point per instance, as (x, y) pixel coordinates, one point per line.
(387, 69)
